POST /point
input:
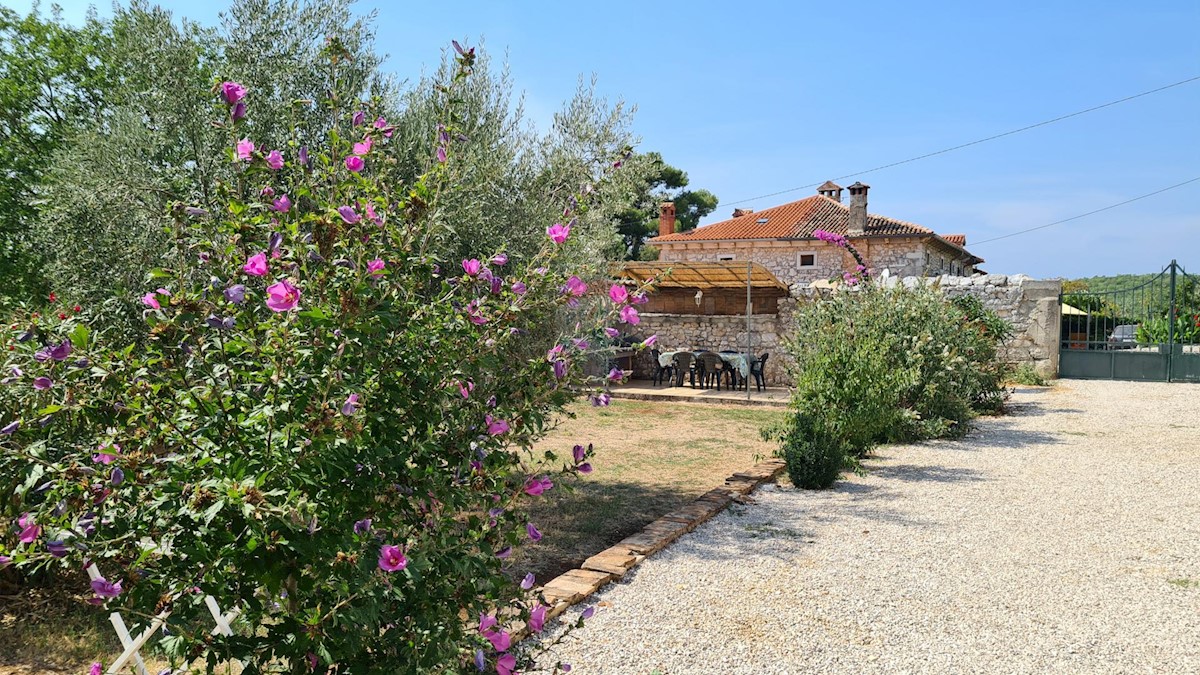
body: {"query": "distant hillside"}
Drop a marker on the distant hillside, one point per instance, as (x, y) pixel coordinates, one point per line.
(1118, 282)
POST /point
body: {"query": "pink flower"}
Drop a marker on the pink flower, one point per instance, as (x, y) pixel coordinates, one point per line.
(441, 155)
(102, 454)
(612, 332)
(629, 315)
(618, 294)
(486, 622)
(519, 288)
(275, 160)
(558, 232)
(380, 123)
(528, 581)
(501, 640)
(245, 149)
(282, 296)
(354, 163)
(575, 287)
(106, 589)
(42, 383)
(96, 669)
(505, 664)
(151, 300)
(640, 299)
(466, 389)
(372, 216)
(537, 618)
(238, 112)
(533, 532)
(616, 375)
(282, 205)
(358, 118)
(363, 147)
(256, 265)
(474, 315)
(471, 267)
(375, 267)
(832, 238)
(348, 215)
(496, 426)
(536, 486)
(584, 468)
(499, 260)
(649, 342)
(30, 530)
(232, 92)
(351, 405)
(391, 559)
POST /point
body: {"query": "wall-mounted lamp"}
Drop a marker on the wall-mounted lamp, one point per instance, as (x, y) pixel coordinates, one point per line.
(699, 297)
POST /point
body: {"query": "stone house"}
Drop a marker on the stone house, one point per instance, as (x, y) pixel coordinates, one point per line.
(691, 309)
(781, 239)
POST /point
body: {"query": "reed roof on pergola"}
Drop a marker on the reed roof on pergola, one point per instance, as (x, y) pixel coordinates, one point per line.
(699, 275)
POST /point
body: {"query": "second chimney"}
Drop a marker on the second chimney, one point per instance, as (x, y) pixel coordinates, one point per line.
(858, 210)
(666, 219)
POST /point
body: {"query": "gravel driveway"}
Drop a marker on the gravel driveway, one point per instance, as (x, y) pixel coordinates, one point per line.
(1063, 538)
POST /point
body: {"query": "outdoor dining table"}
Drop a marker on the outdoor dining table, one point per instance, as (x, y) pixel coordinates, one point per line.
(739, 361)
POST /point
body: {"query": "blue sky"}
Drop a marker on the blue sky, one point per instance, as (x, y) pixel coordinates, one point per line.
(754, 98)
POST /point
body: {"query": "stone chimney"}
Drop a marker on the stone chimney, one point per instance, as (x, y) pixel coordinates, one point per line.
(666, 219)
(858, 210)
(738, 213)
(832, 190)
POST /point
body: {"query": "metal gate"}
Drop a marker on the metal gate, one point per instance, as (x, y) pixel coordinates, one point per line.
(1147, 332)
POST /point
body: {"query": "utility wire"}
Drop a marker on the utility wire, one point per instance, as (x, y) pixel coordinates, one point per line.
(977, 142)
(1083, 215)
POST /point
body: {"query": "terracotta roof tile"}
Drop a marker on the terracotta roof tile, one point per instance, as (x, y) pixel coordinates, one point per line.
(796, 220)
(956, 239)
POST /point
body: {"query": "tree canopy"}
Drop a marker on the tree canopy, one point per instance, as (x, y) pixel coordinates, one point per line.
(661, 182)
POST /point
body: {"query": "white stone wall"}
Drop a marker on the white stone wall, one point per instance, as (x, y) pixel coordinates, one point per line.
(901, 256)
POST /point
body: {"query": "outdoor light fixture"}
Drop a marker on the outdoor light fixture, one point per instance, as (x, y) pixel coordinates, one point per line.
(699, 297)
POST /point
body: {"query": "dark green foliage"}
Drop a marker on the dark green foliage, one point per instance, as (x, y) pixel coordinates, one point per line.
(887, 365)
(50, 83)
(661, 182)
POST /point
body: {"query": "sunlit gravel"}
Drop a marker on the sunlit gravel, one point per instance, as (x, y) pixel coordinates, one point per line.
(1062, 538)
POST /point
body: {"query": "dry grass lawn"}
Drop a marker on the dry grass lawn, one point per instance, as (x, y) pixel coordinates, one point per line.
(651, 458)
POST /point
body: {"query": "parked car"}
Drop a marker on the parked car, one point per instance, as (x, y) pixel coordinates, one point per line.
(1123, 337)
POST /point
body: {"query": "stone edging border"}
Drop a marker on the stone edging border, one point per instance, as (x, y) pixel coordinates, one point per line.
(574, 586)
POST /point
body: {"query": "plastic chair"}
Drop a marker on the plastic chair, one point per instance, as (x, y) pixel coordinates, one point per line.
(713, 369)
(757, 367)
(683, 364)
(661, 372)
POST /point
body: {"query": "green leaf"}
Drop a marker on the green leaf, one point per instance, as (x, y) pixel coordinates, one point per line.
(80, 336)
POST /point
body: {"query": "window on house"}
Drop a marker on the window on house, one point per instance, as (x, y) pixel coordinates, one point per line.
(807, 259)
(725, 256)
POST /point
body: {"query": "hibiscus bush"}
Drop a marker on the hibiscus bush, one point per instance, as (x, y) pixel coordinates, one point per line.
(328, 428)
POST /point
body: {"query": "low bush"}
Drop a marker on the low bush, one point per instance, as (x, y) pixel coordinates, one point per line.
(1028, 375)
(886, 365)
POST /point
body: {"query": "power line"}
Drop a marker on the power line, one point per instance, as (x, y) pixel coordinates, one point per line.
(1089, 213)
(976, 142)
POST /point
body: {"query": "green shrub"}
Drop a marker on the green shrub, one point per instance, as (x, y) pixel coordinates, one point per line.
(887, 365)
(814, 456)
(1028, 375)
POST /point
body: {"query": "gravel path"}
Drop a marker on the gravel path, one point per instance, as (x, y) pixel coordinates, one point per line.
(1064, 538)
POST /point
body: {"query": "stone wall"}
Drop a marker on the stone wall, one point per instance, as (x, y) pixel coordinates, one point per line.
(691, 331)
(901, 256)
(1030, 305)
